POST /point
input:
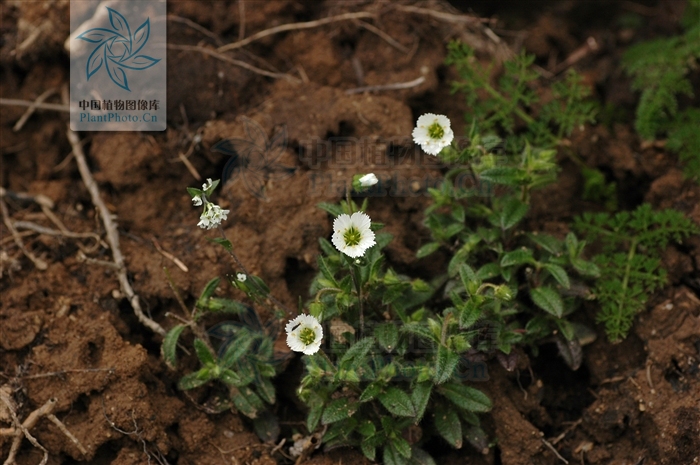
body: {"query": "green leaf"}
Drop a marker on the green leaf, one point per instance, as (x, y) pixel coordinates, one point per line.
(387, 335)
(420, 457)
(513, 211)
(247, 402)
(402, 446)
(226, 244)
(169, 348)
(219, 305)
(314, 417)
(468, 277)
(466, 397)
(366, 428)
(266, 390)
(427, 249)
(477, 438)
(331, 208)
(547, 242)
(585, 268)
(208, 291)
(488, 271)
(566, 328)
(397, 402)
(371, 391)
(392, 457)
(337, 410)
(369, 450)
(558, 273)
(448, 425)
(235, 351)
(420, 397)
(445, 364)
(194, 192)
(229, 377)
(266, 426)
(548, 300)
(517, 257)
(501, 175)
(193, 380)
(469, 314)
(203, 353)
(355, 354)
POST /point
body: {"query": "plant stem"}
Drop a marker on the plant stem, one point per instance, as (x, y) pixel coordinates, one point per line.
(625, 281)
(358, 287)
(240, 265)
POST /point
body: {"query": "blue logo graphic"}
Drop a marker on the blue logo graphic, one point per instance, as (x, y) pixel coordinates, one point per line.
(255, 159)
(117, 48)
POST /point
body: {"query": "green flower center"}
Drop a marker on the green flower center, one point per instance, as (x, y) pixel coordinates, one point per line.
(307, 336)
(352, 236)
(435, 131)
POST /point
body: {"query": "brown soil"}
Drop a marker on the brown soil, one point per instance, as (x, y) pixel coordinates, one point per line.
(68, 333)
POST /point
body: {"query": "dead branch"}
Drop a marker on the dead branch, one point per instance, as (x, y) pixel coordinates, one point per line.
(448, 17)
(384, 36)
(168, 255)
(294, 27)
(112, 234)
(30, 111)
(224, 58)
(394, 86)
(21, 429)
(39, 263)
(40, 106)
(196, 27)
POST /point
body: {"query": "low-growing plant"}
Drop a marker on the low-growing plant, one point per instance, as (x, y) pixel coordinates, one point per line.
(661, 70)
(236, 354)
(511, 105)
(630, 259)
(390, 359)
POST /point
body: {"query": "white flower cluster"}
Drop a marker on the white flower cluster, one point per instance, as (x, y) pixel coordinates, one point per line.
(304, 334)
(212, 215)
(433, 133)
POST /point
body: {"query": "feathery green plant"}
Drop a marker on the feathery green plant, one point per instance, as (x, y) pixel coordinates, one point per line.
(511, 106)
(660, 70)
(630, 259)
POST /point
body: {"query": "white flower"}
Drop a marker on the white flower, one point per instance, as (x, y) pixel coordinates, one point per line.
(304, 334)
(352, 234)
(368, 180)
(197, 200)
(241, 277)
(433, 133)
(207, 184)
(212, 216)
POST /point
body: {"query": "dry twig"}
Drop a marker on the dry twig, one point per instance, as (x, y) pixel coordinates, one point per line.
(39, 263)
(40, 106)
(556, 452)
(383, 35)
(112, 234)
(169, 256)
(196, 27)
(394, 86)
(30, 111)
(21, 429)
(224, 58)
(448, 17)
(294, 27)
